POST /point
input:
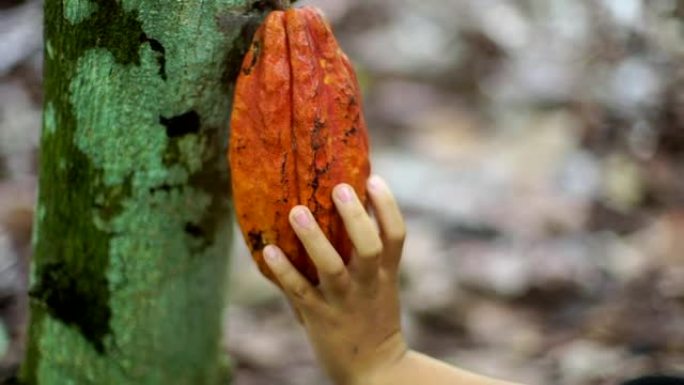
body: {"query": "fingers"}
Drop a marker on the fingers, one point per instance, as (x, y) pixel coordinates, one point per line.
(392, 226)
(331, 269)
(297, 288)
(361, 230)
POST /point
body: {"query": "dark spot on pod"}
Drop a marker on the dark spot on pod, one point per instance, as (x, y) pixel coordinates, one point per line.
(256, 240)
(317, 139)
(351, 131)
(256, 48)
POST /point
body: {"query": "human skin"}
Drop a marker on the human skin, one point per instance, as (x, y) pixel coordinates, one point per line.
(352, 317)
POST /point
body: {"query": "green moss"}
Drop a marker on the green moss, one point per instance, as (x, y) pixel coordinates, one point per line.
(124, 138)
(78, 249)
(49, 50)
(76, 11)
(29, 369)
(133, 226)
(49, 119)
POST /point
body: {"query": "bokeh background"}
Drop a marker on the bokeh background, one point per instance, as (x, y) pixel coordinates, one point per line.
(537, 150)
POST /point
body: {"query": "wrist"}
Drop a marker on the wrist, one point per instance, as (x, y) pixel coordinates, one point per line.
(387, 374)
(395, 355)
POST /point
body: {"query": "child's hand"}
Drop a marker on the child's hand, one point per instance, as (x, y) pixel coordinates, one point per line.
(352, 318)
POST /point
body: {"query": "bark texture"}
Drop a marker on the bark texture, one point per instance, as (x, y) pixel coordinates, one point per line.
(132, 225)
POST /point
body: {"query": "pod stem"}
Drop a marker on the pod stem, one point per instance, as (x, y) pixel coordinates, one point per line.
(284, 4)
(276, 5)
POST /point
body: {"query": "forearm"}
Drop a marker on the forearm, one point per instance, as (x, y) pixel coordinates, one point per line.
(416, 368)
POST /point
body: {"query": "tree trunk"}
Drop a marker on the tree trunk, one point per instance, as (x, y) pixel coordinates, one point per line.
(133, 221)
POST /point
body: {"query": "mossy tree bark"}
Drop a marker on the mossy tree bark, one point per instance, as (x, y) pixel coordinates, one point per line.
(132, 225)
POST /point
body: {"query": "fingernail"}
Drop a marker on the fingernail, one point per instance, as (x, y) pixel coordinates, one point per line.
(376, 183)
(302, 217)
(271, 254)
(344, 193)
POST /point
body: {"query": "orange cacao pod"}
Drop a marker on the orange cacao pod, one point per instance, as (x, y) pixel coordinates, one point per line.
(297, 130)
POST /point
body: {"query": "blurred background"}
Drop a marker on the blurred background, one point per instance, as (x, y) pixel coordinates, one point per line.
(537, 150)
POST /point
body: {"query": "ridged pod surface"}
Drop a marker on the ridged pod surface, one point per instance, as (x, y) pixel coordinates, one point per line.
(297, 130)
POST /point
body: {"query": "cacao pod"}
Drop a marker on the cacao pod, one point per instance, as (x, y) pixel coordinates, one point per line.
(297, 130)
